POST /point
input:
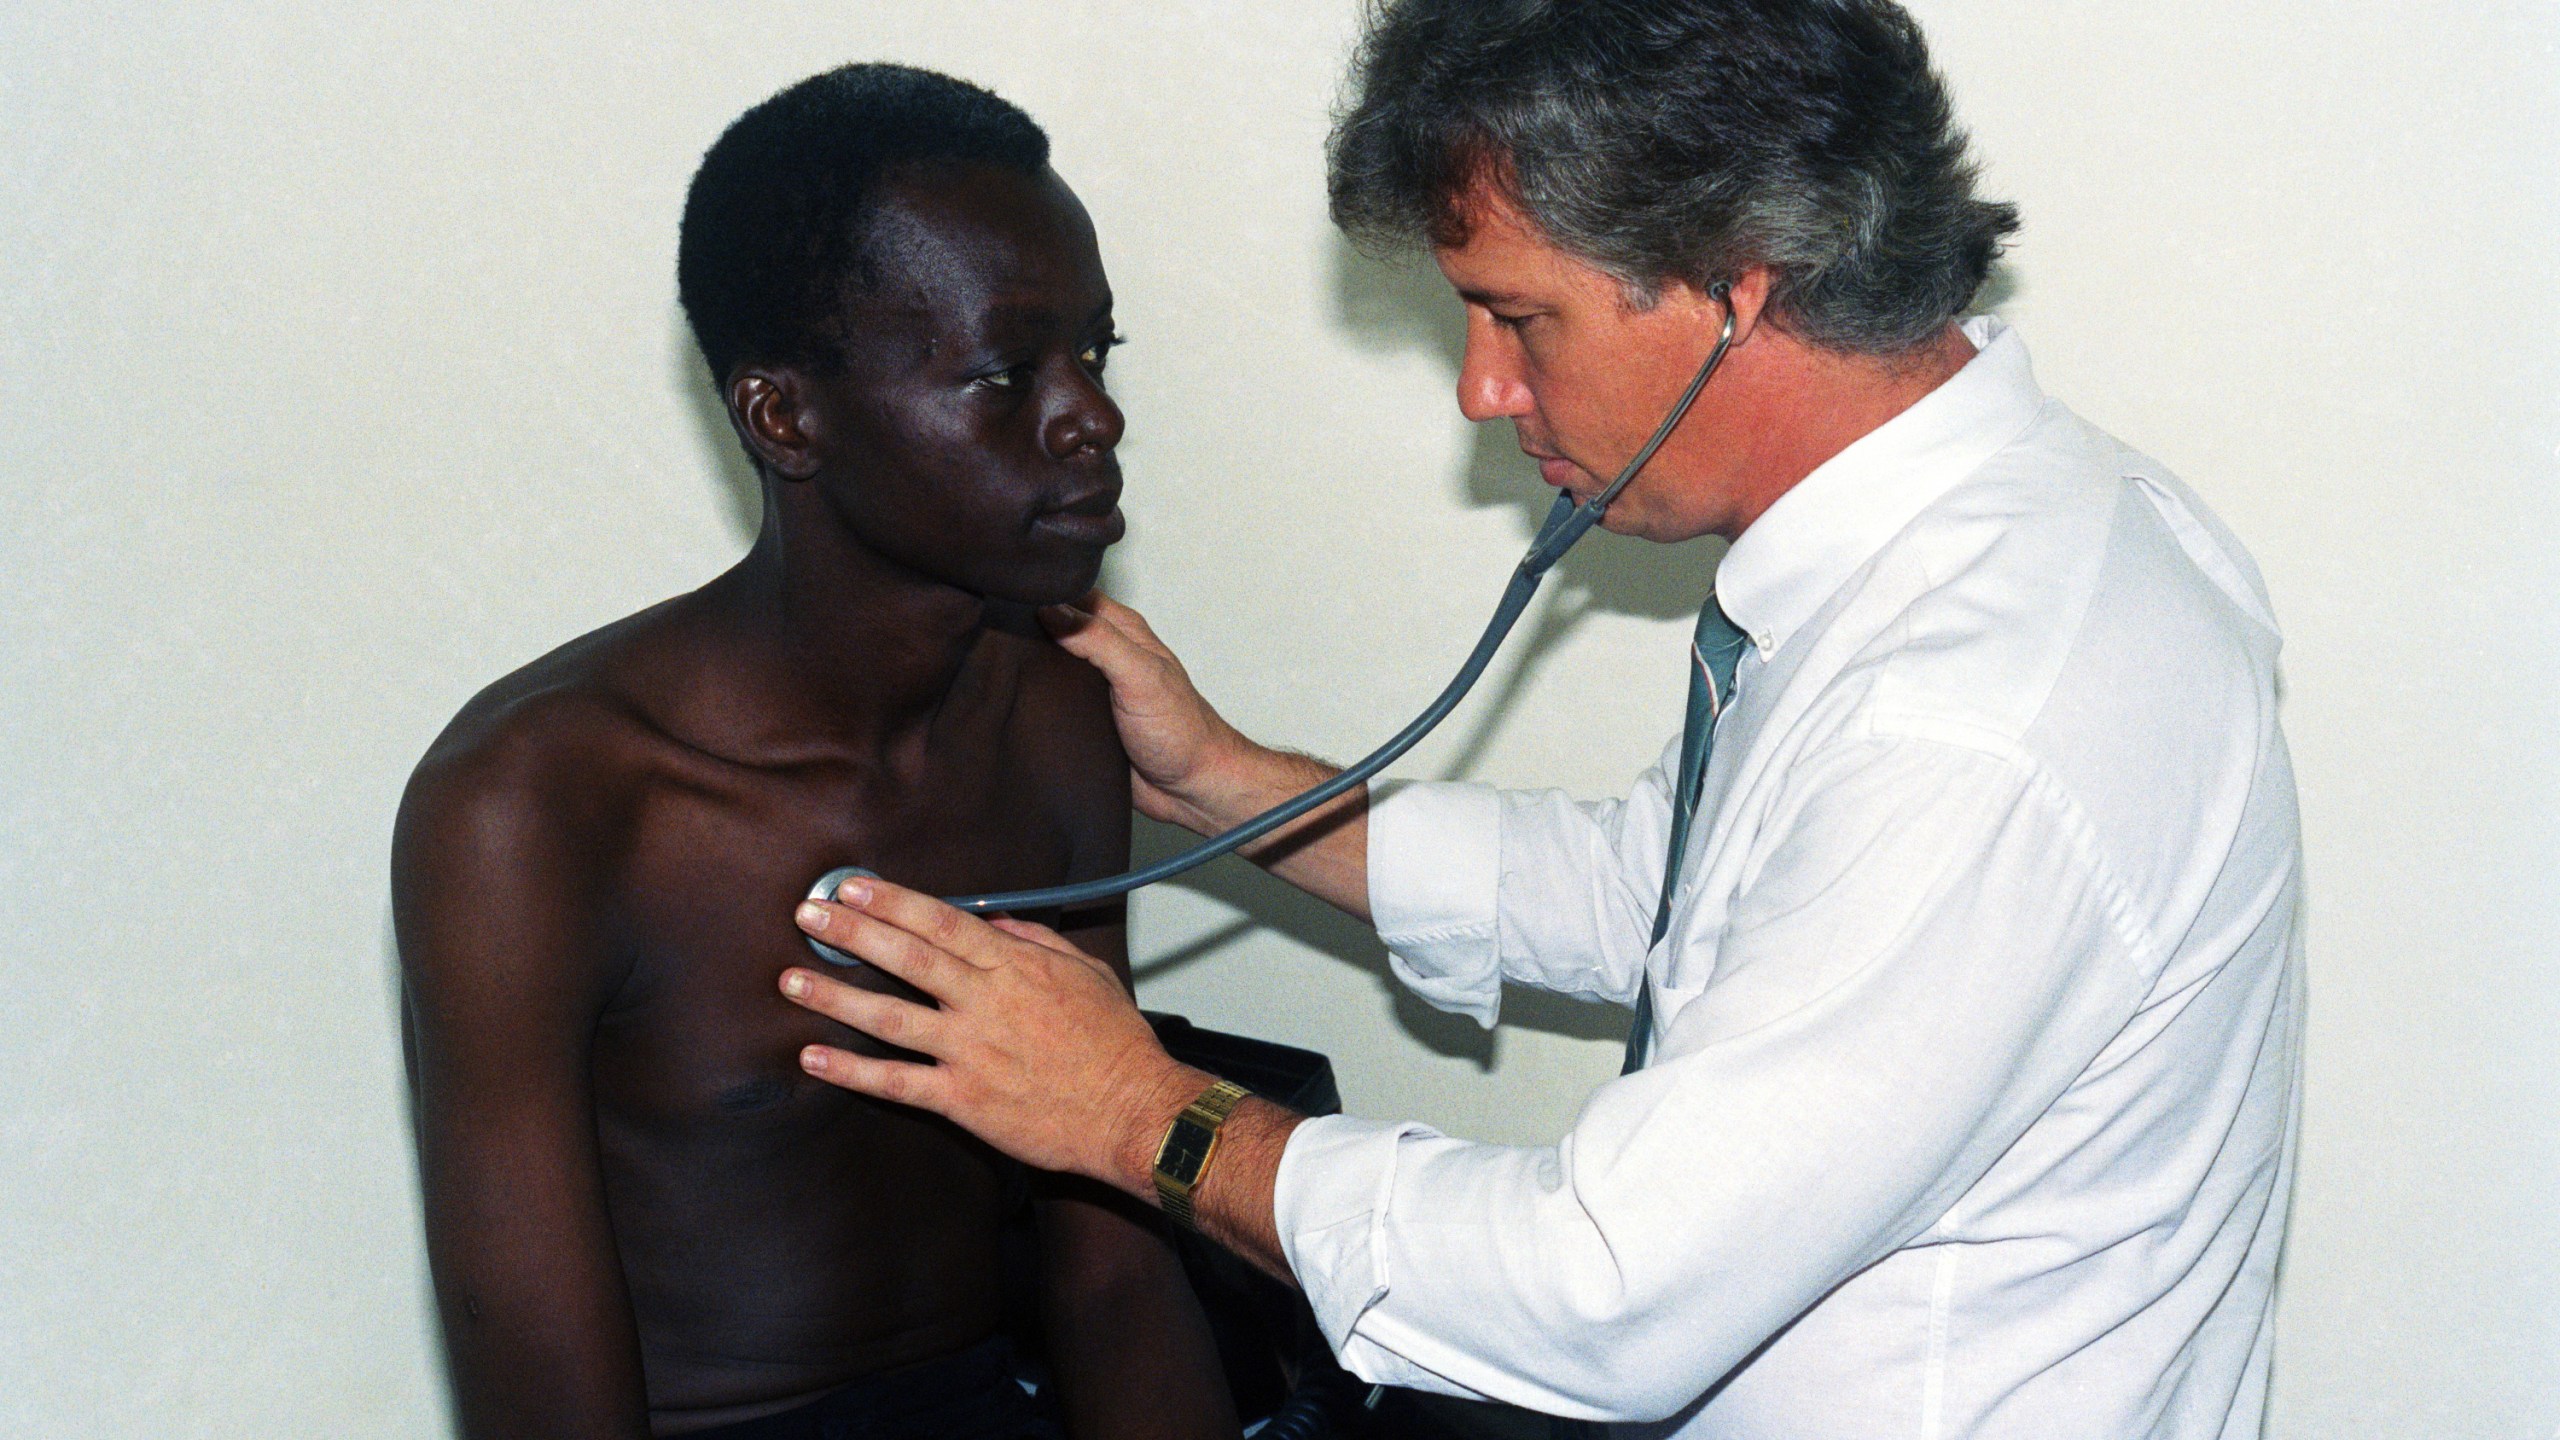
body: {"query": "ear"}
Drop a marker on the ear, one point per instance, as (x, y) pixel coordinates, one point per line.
(768, 406)
(1749, 299)
(1745, 299)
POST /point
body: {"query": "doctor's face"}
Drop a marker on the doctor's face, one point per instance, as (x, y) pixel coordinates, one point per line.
(1554, 345)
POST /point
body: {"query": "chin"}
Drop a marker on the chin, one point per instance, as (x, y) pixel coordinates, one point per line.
(1048, 582)
(1669, 529)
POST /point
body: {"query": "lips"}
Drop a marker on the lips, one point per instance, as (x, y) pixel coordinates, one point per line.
(1554, 469)
(1092, 518)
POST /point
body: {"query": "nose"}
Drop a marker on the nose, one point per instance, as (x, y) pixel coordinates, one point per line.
(1490, 386)
(1082, 418)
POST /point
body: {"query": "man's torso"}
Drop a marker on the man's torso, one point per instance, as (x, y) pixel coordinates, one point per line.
(781, 1236)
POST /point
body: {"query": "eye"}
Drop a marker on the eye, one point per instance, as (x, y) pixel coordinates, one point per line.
(1513, 323)
(1009, 379)
(1097, 356)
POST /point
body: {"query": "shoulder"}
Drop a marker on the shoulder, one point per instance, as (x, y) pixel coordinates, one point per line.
(1066, 744)
(508, 838)
(1062, 705)
(2074, 613)
(518, 795)
(2070, 572)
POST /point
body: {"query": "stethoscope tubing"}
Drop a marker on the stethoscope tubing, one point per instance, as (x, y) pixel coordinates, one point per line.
(1566, 523)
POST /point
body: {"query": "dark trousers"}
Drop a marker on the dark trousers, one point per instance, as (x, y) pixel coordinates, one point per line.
(970, 1395)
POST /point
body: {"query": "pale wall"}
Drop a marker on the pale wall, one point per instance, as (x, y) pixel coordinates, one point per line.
(340, 372)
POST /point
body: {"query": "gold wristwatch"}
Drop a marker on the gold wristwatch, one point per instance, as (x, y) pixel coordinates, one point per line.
(1183, 1156)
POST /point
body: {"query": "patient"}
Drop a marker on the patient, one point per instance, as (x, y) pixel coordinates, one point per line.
(643, 1217)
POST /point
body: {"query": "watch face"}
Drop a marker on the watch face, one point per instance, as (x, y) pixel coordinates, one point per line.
(1186, 1149)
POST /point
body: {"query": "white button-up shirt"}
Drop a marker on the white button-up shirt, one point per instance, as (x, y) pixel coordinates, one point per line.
(1979, 1018)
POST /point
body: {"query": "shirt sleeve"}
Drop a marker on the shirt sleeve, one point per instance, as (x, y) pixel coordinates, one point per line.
(1928, 950)
(1470, 886)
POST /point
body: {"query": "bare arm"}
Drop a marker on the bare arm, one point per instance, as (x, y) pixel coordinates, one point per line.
(1189, 767)
(503, 981)
(1130, 1346)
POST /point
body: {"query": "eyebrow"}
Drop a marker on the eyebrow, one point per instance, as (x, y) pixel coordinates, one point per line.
(1474, 296)
(1040, 316)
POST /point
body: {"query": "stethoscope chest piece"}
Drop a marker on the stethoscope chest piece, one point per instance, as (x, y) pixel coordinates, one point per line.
(825, 889)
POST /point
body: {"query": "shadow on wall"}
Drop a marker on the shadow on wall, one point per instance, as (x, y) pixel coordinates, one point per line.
(1274, 906)
(722, 457)
(2000, 287)
(394, 1001)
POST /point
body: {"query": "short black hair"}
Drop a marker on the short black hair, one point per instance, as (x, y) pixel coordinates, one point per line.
(777, 218)
(1682, 140)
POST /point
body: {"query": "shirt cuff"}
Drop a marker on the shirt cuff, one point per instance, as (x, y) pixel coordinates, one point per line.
(1435, 854)
(1329, 1203)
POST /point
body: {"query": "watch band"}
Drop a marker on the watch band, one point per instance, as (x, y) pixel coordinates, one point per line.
(1182, 1157)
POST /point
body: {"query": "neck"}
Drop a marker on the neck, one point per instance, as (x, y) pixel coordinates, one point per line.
(854, 646)
(1808, 404)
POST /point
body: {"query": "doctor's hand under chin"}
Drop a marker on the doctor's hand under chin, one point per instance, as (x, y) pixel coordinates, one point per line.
(1182, 753)
(1189, 767)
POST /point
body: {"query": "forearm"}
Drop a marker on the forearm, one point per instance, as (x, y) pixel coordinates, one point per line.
(1325, 853)
(1235, 1203)
(537, 1325)
(1126, 1337)
(511, 1383)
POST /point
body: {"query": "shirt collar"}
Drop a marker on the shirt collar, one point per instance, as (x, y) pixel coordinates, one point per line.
(1801, 549)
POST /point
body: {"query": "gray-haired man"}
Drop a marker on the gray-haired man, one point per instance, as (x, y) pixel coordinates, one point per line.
(1975, 1008)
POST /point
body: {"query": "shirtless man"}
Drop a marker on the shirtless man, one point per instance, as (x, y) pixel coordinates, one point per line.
(643, 1217)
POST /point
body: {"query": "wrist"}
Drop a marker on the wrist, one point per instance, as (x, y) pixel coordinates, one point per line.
(1154, 1106)
(1237, 778)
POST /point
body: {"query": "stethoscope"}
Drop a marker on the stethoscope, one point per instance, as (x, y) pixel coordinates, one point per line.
(1565, 524)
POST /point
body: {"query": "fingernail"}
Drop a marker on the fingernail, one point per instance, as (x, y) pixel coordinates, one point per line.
(813, 1060)
(795, 984)
(813, 917)
(856, 891)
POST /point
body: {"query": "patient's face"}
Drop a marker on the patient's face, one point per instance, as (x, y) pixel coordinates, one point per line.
(969, 437)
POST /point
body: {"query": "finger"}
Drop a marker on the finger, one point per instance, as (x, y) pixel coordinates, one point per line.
(1055, 943)
(1062, 620)
(1127, 621)
(1105, 624)
(900, 1082)
(952, 932)
(899, 952)
(1093, 639)
(902, 1023)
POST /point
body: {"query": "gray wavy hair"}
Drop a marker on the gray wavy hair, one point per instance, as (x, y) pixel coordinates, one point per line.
(1681, 140)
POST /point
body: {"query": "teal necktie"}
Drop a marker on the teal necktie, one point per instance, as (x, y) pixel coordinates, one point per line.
(1713, 653)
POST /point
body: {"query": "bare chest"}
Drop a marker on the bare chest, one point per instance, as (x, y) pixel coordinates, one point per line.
(702, 916)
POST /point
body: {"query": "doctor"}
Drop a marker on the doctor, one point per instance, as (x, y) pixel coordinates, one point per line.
(1974, 1017)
